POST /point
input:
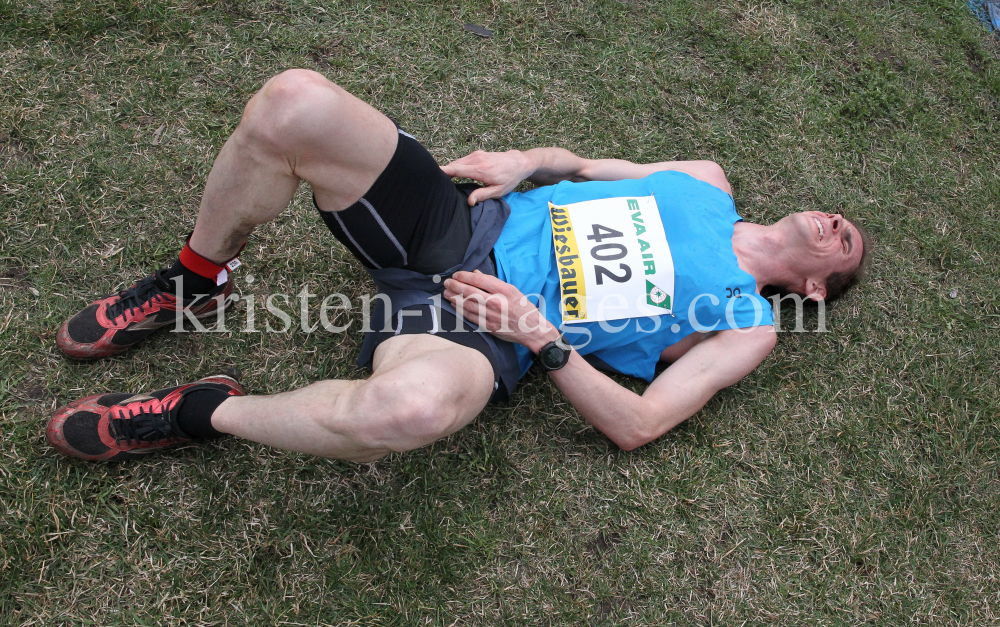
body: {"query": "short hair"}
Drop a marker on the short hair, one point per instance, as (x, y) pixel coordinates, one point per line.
(839, 282)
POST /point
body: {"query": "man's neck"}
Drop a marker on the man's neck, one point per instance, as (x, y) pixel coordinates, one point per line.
(759, 253)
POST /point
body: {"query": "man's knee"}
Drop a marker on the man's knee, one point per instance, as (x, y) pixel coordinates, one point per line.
(281, 112)
(291, 87)
(400, 416)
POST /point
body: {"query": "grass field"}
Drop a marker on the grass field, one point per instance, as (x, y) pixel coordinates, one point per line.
(852, 479)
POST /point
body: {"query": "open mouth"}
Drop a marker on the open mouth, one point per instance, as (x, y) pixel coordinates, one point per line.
(819, 225)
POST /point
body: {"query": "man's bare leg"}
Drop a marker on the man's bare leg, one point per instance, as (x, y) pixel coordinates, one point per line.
(423, 388)
(299, 126)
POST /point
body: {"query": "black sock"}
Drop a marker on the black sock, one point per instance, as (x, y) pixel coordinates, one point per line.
(194, 283)
(195, 414)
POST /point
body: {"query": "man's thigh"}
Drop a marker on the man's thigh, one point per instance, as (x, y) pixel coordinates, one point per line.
(423, 388)
(411, 217)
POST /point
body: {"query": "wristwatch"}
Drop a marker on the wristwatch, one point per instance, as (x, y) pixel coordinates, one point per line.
(554, 355)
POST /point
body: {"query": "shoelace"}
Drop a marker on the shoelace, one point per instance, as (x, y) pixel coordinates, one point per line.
(143, 425)
(149, 289)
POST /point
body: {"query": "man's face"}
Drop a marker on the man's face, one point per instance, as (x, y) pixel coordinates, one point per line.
(821, 244)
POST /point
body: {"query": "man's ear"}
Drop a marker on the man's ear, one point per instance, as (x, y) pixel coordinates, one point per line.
(815, 290)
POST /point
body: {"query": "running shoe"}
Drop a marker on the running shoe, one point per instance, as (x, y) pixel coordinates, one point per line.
(114, 324)
(118, 427)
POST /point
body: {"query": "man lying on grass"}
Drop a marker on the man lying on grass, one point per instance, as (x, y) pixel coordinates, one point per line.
(634, 264)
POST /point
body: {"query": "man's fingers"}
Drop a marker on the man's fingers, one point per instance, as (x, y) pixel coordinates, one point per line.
(455, 168)
(462, 171)
(484, 193)
(462, 288)
(472, 295)
(469, 166)
(474, 172)
(485, 282)
(470, 309)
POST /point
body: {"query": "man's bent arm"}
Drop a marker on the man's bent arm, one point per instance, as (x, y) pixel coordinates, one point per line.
(631, 420)
(628, 419)
(501, 172)
(552, 165)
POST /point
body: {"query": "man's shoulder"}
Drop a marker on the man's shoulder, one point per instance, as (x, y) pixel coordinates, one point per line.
(756, 339)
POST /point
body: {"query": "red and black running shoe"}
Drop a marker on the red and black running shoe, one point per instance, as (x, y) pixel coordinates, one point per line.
(113, 324)
(117, 427)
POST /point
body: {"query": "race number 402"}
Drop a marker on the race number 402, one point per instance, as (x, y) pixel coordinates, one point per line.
(613, 259)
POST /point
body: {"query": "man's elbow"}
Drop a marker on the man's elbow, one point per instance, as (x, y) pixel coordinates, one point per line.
(644, 427)
(631, 444)
(583, 170)
(638, 425)
(632, 438)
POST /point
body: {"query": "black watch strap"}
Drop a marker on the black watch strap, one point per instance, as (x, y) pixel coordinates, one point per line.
(554, 355)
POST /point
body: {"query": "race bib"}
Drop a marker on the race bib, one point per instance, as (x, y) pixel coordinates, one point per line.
(613, 259)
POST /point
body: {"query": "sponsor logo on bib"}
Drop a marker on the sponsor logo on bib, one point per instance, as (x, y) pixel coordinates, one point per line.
(657, 297)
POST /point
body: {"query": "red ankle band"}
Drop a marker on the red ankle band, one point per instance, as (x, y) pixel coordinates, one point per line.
(198, 264)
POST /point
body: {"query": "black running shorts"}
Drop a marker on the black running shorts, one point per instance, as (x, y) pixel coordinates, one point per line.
(414, 217)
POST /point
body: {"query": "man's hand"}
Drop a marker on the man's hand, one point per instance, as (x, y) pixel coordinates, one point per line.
(500, 308)
(499, 171)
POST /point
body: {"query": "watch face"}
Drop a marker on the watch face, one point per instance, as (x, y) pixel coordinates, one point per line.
(553, 357)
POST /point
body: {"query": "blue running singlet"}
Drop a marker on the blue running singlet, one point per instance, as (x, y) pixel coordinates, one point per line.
(710, 291)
